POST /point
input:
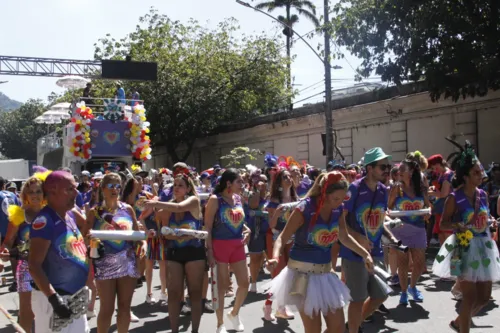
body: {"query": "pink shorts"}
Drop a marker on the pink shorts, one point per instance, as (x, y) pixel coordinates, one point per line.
(228, 251)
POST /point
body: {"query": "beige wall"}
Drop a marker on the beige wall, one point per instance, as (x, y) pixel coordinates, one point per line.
(421, 125)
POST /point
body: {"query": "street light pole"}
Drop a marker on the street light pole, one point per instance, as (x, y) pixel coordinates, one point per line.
(328, 88)
(328, 73)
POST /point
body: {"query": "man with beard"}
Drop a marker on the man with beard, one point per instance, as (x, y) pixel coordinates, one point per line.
(366, 204)
(58, 255)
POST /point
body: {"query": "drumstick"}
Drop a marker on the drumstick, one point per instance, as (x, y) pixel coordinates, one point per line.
(11, 319)
(215, 287)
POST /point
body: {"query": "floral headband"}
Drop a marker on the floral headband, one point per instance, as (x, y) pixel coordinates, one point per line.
(184, 172)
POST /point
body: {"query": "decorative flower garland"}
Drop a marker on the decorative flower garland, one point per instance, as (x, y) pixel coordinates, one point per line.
(139, 128)
(80, 137)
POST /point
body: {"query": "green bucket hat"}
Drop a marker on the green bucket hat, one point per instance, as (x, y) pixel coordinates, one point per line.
(374, 155)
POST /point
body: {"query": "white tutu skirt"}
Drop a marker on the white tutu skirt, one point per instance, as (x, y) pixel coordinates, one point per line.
(480, 263)
(325, 293)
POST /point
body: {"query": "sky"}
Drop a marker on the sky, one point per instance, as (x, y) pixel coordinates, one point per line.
(68, 29)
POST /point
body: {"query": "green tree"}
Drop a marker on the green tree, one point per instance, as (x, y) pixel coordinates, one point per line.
(304, 8)
(18, 131)
(453, 45)
(240, 155)
(205, 77)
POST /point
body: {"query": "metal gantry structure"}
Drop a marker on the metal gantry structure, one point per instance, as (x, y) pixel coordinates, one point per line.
(31, 66)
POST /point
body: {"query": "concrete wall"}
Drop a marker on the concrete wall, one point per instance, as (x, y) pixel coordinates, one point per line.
(398, 125)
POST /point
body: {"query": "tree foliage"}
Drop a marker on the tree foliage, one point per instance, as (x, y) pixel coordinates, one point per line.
(240, 155)
(454, 45)
(18, 131)
(205, 77)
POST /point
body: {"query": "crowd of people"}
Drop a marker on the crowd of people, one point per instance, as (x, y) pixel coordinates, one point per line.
(293, 219)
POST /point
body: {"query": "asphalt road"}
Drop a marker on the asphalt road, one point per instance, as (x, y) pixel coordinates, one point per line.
(433, 315)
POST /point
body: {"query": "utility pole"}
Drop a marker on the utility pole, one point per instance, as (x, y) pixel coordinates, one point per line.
(328, 88)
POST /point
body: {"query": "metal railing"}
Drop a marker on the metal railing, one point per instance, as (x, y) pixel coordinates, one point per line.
(49, 142)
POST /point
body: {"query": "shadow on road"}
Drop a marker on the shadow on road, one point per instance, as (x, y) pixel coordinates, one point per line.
(279, 326)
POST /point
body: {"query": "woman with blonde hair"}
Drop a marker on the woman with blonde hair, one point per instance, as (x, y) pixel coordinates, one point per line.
(186, 256)
(116, 270)
(309, 282)
(17, 240)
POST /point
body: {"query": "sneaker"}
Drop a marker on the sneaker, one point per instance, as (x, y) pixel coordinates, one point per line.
(164, 297)
(383, 310)
(156, 265)
(91, 314)
(221, 329)
(268, 313)
(207, 306)
(253, 288)
(186, 309)
(369, 319)
(360, 330)
(13, 287)
(150, 299)
(416, 294)
(133, 318)
(284, 313)
(230, 292)
(235, 322)
(403, 299)
(394, 281)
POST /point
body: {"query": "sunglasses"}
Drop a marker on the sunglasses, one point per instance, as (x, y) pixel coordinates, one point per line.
(113, 186)
(384, 167)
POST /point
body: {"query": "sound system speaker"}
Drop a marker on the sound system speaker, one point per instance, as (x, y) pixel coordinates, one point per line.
(129, 70)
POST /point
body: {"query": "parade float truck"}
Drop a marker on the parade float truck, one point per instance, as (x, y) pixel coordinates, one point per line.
(112, 139)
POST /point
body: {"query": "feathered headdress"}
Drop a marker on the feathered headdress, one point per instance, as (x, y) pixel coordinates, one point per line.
(288, 162)
(464, 157)
(270, 160)
(42, 175)
(465, 154)
(16, 215)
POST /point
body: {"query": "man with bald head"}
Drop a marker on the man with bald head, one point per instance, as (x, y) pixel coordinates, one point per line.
(58, 255)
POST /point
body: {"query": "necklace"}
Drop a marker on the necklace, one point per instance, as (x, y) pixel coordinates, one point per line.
(74, 229)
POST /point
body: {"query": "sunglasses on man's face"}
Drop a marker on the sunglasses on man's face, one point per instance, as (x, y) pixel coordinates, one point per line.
(384, 167)
(113, 186)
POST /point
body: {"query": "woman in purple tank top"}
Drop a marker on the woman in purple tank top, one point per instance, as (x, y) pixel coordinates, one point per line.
(469, 254)
(227, 236)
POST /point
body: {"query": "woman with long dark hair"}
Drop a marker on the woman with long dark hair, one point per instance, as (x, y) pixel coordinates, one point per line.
(409, 194)
(258, 224)
(308, 282)
(470, 250)
(282, 192)
(227, 236)
(186, 257)
(440, 190)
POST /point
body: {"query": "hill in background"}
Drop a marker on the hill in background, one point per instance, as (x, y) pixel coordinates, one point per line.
(7, 104)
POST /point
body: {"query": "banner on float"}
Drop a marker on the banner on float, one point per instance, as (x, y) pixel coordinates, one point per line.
(110, 139)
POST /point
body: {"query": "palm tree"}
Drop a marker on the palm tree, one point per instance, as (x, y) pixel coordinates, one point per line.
(304, 8)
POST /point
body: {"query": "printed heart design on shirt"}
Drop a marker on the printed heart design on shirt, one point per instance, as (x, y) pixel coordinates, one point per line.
(234, 218)
(449, 247)
(374, 221)
(324, 237)
(111, 137)
(486, 262)
(72, 248)
(489, 245)
(474, 264)
(439, 258)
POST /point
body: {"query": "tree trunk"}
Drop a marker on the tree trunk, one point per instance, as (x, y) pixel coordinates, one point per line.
(289, 56)
(172, 150)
